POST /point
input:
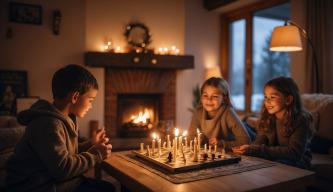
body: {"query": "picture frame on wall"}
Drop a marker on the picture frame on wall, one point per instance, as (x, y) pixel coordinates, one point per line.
(25, 13)
(13, 84)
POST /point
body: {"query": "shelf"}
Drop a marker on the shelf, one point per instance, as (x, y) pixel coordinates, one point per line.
(138, 60)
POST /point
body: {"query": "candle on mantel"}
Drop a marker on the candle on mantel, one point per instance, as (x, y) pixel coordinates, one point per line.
(153, 143)
(199, 140)
(184, 135)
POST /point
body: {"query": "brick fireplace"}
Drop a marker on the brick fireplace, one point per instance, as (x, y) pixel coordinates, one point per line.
(142, 80)
(119, 82)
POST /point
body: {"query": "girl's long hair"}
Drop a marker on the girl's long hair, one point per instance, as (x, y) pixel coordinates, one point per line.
(222, 85)
(295, 114)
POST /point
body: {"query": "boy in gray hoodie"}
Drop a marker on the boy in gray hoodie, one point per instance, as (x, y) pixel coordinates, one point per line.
(49, 156)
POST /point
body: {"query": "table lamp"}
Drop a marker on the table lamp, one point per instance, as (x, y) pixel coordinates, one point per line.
(287, 38)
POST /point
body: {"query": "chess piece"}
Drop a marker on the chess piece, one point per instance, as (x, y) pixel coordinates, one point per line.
(170, 157)
(205, 156)
(213, 156)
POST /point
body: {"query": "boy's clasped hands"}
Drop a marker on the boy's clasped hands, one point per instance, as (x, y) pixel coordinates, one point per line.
(100, 144)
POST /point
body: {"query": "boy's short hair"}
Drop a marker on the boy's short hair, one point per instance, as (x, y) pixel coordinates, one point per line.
(72, 78)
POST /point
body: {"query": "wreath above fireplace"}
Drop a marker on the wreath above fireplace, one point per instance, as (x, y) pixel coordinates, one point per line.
(137, 35)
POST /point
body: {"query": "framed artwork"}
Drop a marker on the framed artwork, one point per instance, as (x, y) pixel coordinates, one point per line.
(13, 84)
(25, 13)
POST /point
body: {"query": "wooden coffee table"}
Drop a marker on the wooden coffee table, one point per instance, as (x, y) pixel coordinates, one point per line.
(276, 178)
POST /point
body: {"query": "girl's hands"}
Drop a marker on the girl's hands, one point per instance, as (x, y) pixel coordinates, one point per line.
(240, 149)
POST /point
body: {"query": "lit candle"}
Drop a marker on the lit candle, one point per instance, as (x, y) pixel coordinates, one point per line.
(180, 142)
(118, 49)
(223, 152)
(191, 145)
(168, 142)
(141, 147)
(159, 147)
(184, 135)
(195, 155)
(164, 145)
(199, 139)
(174, 149)
(205, 148)
(153, 143)
(148, 151)
(176, 137)
(184, 157)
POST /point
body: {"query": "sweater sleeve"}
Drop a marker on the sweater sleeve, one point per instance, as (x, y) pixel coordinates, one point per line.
(237, 129)
(84, 146)
(293, 151)
(48, 141)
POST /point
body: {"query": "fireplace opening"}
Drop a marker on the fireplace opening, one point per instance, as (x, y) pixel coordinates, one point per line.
(137, 114)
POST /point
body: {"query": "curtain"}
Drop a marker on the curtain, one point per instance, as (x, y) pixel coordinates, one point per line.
(320, 31)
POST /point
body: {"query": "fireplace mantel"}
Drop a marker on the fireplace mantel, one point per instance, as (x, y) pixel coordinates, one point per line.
(138, 60)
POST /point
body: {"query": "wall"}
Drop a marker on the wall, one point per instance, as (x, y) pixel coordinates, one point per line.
(298, 57)
(202, 39)
(35, 49)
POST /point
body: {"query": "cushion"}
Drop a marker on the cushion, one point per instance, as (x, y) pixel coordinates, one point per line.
(320, 105)
(9, 137)
(4, 120)
(321, 145)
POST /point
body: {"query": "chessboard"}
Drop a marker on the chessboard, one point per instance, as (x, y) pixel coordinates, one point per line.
(184, 162)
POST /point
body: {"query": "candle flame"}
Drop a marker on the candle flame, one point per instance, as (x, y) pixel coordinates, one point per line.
(198, 131)
(154, 135)
(184, 133)
(176, 132)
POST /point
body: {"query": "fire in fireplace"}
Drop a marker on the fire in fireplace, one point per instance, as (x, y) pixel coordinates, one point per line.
(137, 114)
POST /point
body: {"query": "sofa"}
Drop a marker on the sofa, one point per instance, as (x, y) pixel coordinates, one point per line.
(321, 108)
(10, 133)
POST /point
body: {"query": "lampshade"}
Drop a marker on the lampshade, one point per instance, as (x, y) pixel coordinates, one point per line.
(286, 38)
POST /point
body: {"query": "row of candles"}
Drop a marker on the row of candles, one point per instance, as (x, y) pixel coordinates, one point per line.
(177, 147)
(109, 47)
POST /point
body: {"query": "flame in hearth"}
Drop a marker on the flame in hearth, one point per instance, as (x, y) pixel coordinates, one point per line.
(141, 118)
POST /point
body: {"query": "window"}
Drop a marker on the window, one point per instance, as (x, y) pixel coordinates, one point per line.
(250, 64)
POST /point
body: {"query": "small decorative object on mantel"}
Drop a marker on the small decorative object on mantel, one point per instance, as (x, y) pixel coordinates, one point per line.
(138, 36)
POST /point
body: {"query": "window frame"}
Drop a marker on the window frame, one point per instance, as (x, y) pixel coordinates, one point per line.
(245, 13)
